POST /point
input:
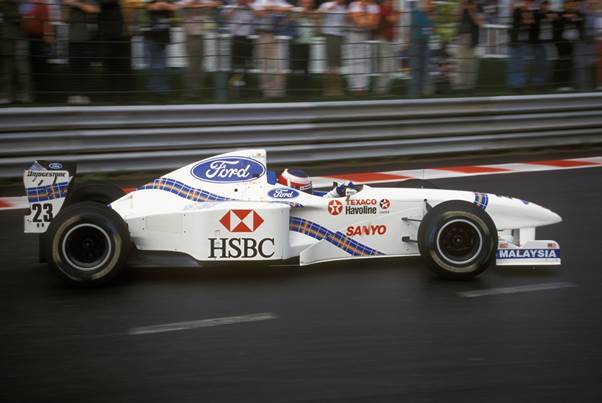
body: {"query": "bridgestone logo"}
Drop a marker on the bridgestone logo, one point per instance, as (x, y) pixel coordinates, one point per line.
(46, 174)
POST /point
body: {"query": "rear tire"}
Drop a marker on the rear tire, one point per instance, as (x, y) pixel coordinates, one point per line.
(457, 240)
(87, 244)
(94, 191)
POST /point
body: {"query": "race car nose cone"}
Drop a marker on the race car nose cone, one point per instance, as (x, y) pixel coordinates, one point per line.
(547, 217)
(554, 217)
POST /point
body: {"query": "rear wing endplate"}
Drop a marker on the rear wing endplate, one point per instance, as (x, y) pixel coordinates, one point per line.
(46, 186)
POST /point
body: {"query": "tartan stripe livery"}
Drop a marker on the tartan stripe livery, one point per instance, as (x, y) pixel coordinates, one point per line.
(339, 240)
(194, 194)
(481, 200)
(48, 192)
(182, 190)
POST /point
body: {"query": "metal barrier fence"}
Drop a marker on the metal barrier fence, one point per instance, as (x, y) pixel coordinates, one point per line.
(128, 139)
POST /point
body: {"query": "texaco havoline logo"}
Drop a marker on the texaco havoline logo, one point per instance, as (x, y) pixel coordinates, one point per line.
(385, 204)
(335, 207)
(241, 220)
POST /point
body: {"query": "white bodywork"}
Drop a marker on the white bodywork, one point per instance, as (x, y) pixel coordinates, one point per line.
(224, 209)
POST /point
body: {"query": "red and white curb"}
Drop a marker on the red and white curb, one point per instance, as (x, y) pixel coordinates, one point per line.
(458, 171)
(9, 203)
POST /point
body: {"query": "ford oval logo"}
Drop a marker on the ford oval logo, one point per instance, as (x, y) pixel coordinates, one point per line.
(283, 193)
(55, 165)
(228, 169)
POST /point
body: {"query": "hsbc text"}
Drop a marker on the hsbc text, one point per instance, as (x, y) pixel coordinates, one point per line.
(245, 248)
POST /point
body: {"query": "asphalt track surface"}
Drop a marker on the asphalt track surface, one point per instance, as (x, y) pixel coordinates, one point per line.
(375, 331)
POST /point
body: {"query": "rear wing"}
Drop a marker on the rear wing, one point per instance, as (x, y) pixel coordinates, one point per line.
(46, 185)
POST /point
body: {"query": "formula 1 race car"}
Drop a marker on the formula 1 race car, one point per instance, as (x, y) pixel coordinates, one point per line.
(229, 208)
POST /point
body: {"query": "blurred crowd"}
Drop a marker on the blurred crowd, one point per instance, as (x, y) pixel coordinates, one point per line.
(366, 45)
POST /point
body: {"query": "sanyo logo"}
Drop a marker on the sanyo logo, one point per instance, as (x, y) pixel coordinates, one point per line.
(228, 169)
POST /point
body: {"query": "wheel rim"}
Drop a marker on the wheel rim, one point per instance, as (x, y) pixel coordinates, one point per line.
(86, 247)
(459, 241)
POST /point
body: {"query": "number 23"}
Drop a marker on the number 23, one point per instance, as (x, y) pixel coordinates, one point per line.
(38, 208)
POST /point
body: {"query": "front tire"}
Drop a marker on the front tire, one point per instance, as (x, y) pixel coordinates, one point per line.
(87, 244)
(458, 240)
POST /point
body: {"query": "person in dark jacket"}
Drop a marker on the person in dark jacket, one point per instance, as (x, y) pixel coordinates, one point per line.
(157, 37)
(115, 49)
(568, 32)
(585, 48)
(523, 18)
(81, 16)
(40, 35)
(467, 66)
(542, 41)
(15, 80)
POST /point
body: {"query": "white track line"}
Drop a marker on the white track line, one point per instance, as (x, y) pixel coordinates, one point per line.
(514, 290)
(194, 324)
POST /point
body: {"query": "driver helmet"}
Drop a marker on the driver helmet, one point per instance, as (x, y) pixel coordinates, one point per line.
(297, 179)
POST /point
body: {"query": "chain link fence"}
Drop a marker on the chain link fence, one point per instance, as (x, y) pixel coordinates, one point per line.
(202, 51)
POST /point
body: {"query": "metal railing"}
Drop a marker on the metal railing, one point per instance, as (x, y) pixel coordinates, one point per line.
(159, 138)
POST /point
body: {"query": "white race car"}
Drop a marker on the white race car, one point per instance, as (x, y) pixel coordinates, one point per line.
(229, 208)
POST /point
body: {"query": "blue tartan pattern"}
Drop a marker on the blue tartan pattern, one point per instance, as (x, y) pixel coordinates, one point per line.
(182, 190)
(481, 200)
(338, 239)
(194, 194)
(48, 192)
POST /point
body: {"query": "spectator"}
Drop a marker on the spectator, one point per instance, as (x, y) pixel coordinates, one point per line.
(81, 16)
(421, 28)
(241, 25)
(39, 33)
(365, 17)
(267, 13)
(523, 18)
(305, 18)
(599, 49)
(197, 21)
(332, 25)
(240, 20)
(490, 9)
(158, 36)
(15, 80)
(568, 33)
(585, 48)
(467, 66)
(443, 80)
(389, 17)
(542, 38)
(115, 48)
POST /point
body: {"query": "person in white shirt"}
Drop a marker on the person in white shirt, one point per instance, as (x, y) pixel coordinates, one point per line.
(364, 16)
(332, 25)
(271, 79)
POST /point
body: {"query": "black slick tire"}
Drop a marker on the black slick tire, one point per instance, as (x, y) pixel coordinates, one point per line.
(87, 244)
(457, 240)
(94, 191)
